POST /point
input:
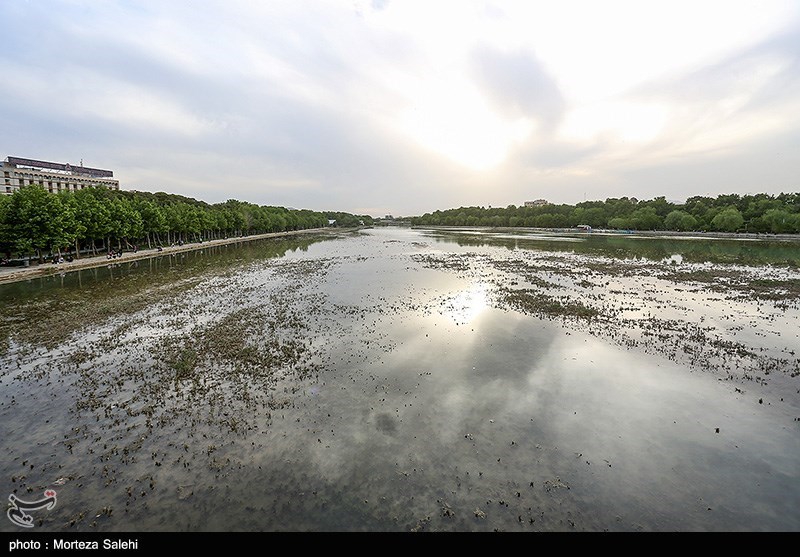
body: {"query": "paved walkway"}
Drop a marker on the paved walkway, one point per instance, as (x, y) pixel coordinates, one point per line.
(14, 274)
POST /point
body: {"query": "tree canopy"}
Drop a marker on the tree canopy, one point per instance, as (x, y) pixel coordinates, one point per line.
(33, 220)
(759, 213)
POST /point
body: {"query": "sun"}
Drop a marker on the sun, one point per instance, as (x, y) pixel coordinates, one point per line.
(468, 304)
(458, 124)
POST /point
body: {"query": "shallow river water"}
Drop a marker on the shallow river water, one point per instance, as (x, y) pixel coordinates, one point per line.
(397, 379)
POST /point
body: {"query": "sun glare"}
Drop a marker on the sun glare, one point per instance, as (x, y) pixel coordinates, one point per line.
(458, 123)
(626, 121)
(468, 304)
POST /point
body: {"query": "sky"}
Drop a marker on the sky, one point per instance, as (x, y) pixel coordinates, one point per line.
(404, 107)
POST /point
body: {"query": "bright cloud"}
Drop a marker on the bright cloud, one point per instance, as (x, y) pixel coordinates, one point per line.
(407, 105)
(455, 120)
(627, 121)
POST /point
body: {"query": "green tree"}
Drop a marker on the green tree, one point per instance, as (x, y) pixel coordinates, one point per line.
(646, 218)
(92, 215)
(728, 220)
(781, 221)
(71, 228)
(620, 223)
(174, 218)
(680, 220)
(153, 220)
(6, 246)
(35, 221)
(661, 206)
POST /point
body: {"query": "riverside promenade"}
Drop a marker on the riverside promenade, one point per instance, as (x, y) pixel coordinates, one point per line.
(15, 274)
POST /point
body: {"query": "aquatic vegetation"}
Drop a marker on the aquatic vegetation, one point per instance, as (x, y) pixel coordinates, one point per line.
(377, 381)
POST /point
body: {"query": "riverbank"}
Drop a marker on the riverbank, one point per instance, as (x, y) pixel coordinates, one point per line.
(400, 381)
(15, 274)
(700, 235)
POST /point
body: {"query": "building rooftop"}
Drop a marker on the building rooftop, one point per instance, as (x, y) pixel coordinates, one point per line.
(59, 167)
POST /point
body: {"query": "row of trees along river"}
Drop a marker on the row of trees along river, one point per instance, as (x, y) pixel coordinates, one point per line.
(34, 221)
(759, 213)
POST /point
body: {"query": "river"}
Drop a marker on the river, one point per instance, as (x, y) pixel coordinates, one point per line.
(397, 379)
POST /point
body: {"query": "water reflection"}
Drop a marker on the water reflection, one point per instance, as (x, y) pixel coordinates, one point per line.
(465, 306)
(66, 302)
(375, 382)
(674, 259)
(692, 250)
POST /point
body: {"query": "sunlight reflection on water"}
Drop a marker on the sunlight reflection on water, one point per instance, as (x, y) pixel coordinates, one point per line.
(430, 401)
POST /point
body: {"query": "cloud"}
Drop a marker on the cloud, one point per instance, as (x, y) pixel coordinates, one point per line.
(767, 164)
(404, 106)
(557, 154)
(732, 102)
(518, 85)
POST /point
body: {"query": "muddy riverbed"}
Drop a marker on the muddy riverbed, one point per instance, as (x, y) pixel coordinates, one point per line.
(397, 379)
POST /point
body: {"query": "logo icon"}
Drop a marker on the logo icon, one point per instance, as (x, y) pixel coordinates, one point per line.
(16, 512)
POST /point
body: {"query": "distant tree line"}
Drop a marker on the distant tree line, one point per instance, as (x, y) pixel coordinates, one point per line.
(34, 221)
(759, 213)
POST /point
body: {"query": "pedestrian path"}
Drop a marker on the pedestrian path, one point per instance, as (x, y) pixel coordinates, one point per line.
(14, 274)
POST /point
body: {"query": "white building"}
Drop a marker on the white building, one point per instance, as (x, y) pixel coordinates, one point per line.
(54, 176)
(537, 203)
